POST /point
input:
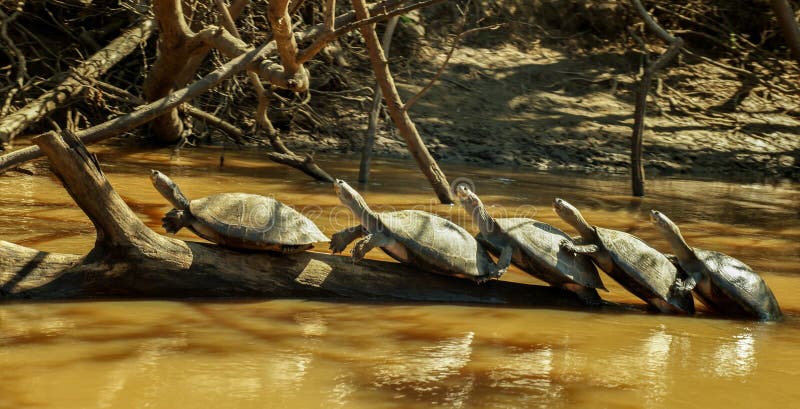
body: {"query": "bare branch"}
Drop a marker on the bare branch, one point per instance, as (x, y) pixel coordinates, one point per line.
(95, 65)
(281, 23)
(395, 105)
(346, 23)
(22, 70)
(651, 23)
(377, 97)
(787, 21)
(675, 44)
(330, 15)
(152, 110)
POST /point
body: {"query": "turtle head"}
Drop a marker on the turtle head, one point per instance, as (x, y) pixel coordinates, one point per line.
(472, 203)
(565, 210)
(350, 197)
(672, 234)
(468, 198)
(572, 215)
(663, 223)
(667, 227)
(169, 190)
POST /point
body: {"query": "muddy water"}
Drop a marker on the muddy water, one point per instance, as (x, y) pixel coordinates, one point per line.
(308, 354)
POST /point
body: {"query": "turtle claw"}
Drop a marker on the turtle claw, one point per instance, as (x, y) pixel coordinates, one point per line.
(567, 245)
(360, 250)
(173, 221)
(682, 286)
(337, 244)
(341, 239)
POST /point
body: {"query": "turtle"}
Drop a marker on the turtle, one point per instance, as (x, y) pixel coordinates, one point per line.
(238, 220)
(536, 249)
(721, 282)
(641, 269)
(421, 239)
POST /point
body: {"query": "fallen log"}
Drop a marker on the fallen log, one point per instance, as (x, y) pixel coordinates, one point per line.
(131, 260)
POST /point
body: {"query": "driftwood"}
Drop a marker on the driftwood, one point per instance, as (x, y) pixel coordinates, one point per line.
(675, 44)
(75, 82)
(131, 260)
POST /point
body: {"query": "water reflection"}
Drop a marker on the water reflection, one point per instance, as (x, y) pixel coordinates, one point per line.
(528, 377)
(735, 356)
(655, 353)
(419, 370)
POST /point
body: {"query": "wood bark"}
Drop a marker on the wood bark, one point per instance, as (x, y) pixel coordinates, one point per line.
(788, 23)
(131, 260)
(178, 49)
(400, 116)
(637, 136)
(374, 112)
(91, 68)
(281, 23)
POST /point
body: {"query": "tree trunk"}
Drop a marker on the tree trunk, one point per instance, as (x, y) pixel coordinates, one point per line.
(177, 49)
(788, 23)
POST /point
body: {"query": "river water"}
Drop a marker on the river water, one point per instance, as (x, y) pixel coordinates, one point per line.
(313, 354)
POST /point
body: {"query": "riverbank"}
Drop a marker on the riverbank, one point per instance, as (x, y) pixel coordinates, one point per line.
(550, 108)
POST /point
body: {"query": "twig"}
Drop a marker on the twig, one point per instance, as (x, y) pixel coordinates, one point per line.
(230, 129)
(281, 23)
(282, 153)
(384, 11)
(330, 15)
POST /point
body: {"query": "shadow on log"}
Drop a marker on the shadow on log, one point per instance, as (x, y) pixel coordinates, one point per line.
(131, 260)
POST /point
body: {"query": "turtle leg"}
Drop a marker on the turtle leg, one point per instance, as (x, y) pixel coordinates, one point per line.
(688, 283)
(175, 220)
(578, 249)
(341, 239)
(370, 242)
(503, 262)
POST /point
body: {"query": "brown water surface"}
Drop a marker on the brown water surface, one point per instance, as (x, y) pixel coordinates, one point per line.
(310, 354)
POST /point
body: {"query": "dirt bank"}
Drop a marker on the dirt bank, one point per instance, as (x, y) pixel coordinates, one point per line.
(550, 108)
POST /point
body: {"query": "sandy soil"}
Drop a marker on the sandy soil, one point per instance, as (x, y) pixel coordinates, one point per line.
(549, 108)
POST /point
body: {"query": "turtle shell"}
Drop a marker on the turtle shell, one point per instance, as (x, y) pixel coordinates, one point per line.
(252, 221)
(734, 284)
(537, 251)
(435, 243)
(642, 269)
